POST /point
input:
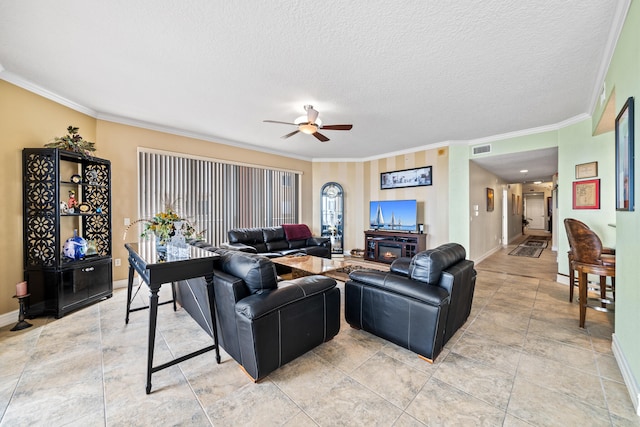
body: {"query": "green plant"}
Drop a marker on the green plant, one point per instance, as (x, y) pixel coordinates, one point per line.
(163, 226)
(73, 141)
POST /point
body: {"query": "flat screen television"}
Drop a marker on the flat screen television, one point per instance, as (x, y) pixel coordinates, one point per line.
(393, 215)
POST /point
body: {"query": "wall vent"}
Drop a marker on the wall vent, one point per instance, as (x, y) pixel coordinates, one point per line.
(481, 149)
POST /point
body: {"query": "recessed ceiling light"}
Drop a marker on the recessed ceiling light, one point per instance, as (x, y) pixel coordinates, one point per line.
(537, 182)
(524, 171)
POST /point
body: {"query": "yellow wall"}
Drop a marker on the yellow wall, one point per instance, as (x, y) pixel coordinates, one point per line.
(361, 184)
(29, 120)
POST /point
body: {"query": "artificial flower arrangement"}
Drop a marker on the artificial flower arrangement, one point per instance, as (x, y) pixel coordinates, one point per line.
(163, 226)
(73, 141)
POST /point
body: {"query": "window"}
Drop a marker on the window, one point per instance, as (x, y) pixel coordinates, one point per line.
(216, 196)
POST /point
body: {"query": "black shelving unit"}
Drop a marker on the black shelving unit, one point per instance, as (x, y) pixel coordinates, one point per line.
(56, 284)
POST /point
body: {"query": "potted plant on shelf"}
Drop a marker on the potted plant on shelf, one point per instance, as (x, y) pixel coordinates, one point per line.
(73, 141)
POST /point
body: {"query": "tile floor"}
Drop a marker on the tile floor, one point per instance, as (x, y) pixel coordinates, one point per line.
(519, 360)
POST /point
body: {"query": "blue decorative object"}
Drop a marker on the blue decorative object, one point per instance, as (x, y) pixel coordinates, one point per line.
(75, 247)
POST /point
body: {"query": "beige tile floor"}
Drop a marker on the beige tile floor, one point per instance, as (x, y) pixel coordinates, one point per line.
(519, 360)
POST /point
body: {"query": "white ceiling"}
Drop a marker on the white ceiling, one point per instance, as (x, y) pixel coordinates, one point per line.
(406, 74)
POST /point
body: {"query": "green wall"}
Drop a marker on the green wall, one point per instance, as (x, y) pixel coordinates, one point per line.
(623, 77)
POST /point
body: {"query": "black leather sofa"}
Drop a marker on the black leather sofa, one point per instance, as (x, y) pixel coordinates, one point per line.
(262, 323)
(419, 304)
(274, 242)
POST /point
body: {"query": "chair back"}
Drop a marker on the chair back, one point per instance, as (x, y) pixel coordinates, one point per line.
(586, 246)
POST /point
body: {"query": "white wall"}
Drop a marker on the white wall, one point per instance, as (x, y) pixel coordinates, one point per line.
(485, 227)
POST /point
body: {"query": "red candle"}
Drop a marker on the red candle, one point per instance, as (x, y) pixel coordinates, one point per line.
(21, 289)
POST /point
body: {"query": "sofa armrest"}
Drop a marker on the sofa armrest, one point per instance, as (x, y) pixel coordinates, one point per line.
(318, 241)
(239, 247)
(401, 285)
(288, 292)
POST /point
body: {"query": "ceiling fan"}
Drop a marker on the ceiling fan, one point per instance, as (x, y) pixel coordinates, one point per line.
(310, 124)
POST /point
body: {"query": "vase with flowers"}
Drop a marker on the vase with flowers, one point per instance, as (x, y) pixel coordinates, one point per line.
(163, 226)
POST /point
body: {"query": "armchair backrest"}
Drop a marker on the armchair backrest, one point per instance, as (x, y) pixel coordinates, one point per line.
(586, 246)
(257, 272)
(427, 266)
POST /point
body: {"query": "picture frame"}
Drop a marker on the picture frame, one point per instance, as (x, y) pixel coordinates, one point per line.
(586, 194)
(587, 170)
(514, 207)
(519, 206)
(490, 199)
(625, 158)
(415, 177)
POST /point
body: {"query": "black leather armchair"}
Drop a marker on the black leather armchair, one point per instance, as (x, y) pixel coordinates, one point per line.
(263, 323)
(419, 304)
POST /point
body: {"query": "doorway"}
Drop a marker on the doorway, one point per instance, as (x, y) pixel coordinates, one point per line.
(535, 210)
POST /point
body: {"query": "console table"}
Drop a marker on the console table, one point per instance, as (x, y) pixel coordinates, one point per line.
(387, 246)
(156, 270)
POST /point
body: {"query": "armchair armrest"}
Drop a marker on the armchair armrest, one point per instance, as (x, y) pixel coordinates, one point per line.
(238, 247)
(318, 241)
(288, 292)
(401, 285)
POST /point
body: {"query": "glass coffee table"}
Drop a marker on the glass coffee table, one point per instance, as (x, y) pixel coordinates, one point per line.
(307, 265)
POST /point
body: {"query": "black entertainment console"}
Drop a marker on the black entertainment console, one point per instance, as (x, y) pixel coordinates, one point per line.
(387, 246)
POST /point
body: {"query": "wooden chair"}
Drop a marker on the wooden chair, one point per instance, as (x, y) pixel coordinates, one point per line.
(587, 258)
(573, 272)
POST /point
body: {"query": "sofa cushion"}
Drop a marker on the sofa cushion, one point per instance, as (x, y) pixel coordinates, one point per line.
(258, 272)
(427, 266)
(297, 244)
(296, 231)
(272, 234)
(248, 236)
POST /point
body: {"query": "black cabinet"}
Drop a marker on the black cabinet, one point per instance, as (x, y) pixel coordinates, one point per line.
(387, 246)
(58, 284)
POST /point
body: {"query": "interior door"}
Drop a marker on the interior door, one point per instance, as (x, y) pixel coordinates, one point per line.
(535, 212)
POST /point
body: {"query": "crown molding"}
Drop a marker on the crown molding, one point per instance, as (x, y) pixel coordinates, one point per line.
(180, 132)
(31, 87)
(619, 17)
(14, 79)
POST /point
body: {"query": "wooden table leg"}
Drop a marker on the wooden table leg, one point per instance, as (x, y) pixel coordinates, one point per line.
(129, 290)
(153, 317)
(583, 296)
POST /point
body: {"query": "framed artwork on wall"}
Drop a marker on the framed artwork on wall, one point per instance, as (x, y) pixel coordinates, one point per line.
(586, 194)
(514, 207)
(490, 199)
(416, 177)
(587, 170)
(624, 158)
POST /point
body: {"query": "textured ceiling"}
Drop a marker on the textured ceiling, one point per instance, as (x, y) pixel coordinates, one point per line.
(406, 75)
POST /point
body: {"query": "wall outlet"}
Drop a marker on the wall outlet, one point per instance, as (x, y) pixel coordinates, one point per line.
(127, 221)
(117, 262)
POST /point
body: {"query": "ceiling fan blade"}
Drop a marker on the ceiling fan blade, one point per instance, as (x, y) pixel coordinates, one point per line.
(290, 134)
(337, 127)
(312, 114)
(276, 121)
(321, 137)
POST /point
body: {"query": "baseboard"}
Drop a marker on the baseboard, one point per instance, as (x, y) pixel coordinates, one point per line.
(8, 318)
(12, 316)
(562, 278)
(117, 284)
(488, 254)
(632, 385)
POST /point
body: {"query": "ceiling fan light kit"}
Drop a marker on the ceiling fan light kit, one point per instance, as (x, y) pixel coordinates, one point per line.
(310, 125)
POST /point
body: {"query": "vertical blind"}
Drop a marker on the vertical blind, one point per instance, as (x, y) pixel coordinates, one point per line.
(214, 196)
